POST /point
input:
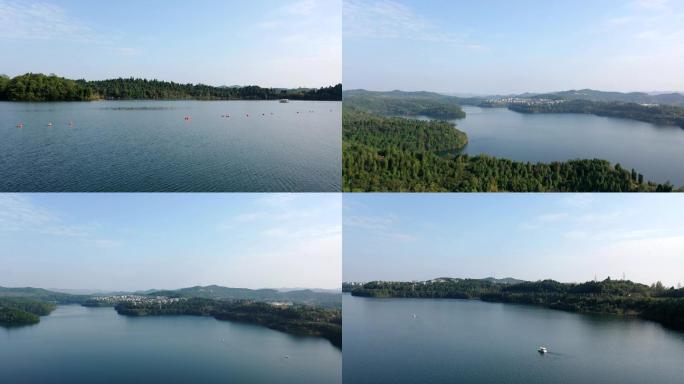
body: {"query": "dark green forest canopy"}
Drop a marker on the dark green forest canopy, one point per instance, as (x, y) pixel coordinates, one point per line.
(39, 87)
(398, 103)
(394, 155)
(618, 297)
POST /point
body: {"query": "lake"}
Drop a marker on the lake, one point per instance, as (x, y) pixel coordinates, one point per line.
(461, 341)
(96, 345)
(654, 151)
(264, 146)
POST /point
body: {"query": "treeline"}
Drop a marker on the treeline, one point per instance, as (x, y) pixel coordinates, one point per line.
(655, 114)
(397, 103)
(389, 154)
(39, 87)
(617, 297)
(294, 319)
(15, 311)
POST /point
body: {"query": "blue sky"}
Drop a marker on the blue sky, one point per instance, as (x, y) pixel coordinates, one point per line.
(502, 46)
(567, 237)
(143, 241)
(280, 43)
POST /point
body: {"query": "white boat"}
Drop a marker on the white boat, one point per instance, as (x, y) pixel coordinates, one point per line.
(284, 100)
(543, 350)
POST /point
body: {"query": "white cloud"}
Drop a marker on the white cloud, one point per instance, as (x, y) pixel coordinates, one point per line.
(651, 4)
(22, 20)
(383, 227)
(19, 214)
(301, 8)
(387, 19)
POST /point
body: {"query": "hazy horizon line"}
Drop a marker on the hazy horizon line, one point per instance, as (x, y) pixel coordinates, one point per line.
(168, 289)
(509, 277)
(476, 94)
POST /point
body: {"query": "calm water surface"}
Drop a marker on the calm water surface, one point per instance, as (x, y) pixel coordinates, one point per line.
(149, 146)
(459, 341)
(655, 151)
(95, 345)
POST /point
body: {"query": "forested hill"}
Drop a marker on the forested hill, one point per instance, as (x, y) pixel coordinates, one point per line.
(396, 155)
(619, 297)
(398, 103)
(39, 87)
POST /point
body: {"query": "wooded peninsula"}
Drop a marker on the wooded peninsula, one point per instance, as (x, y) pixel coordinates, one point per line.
(40, 87)
(300, 312)
(295, 319)
(615, 297)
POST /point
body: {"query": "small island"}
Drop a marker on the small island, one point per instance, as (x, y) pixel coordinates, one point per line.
(613, 297)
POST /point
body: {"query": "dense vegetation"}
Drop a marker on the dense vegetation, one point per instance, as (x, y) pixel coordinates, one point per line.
(618, 297)
(39, 87)
(15, 311)
(397, 103)
(295, 319)
(391, 154)
(655, 114)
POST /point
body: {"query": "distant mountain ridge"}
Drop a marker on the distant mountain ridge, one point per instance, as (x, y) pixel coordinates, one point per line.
(301, 296)
(676, 99)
